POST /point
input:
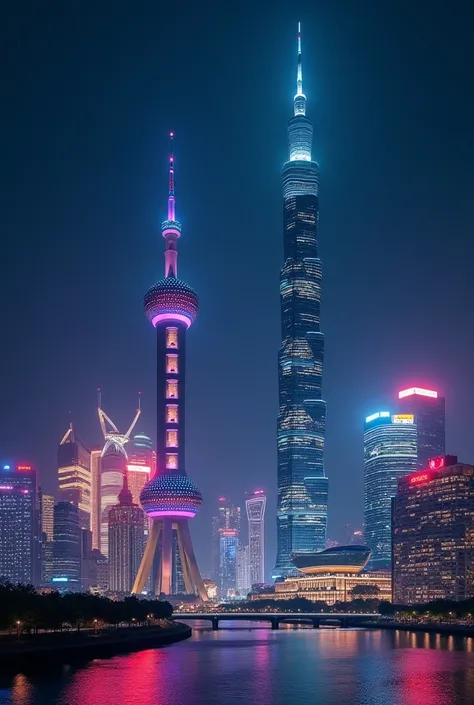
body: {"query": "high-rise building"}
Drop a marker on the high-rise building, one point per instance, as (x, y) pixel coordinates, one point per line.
(126, 541)
(170, 498)
(86, 559)
(243, 579)
(47, 530)
(255, 506)
(74, 474)
(428, 409)
(389, 453)
(47, 516)
(99, 572)
(113, 464)
(141, 464)
(302, 481)
(229, 544)
(228, 516)
(95, 496)
(18, 524)
(433, 533)
(67, 547)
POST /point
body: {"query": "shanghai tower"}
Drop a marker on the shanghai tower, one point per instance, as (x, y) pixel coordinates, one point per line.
(302, 482)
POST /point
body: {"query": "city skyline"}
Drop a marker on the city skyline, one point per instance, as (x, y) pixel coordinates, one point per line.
(355, 154)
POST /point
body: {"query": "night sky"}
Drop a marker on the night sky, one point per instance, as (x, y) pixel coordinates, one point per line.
(89, 94)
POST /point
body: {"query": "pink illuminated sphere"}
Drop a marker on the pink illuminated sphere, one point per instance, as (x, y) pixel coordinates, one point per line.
(171, 299)
(172, 494)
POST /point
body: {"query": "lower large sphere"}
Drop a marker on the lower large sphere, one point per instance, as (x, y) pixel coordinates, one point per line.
(171, 298)
(171, 495)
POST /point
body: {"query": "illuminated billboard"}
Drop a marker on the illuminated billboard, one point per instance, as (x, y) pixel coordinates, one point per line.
(403, 418)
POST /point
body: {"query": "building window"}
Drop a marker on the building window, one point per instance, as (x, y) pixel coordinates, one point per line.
(171, 413)
(172, 364)
(171, 461)
(171, 389)
(172, 338)
(172, 439)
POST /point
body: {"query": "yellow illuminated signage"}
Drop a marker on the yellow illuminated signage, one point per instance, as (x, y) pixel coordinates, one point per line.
(403, 418)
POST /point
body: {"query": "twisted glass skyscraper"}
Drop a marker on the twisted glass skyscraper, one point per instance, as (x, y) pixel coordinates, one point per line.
(302, 482)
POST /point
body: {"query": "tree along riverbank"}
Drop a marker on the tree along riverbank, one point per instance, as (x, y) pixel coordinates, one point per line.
(62, 647)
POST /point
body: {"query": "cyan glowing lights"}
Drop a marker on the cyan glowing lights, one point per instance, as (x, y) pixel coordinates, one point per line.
(417, 390)
(377, 415)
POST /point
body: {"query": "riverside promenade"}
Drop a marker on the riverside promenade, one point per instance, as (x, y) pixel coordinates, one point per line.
(62, 647)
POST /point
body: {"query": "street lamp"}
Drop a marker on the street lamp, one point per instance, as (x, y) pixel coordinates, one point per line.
(18, 628)
(95, 626)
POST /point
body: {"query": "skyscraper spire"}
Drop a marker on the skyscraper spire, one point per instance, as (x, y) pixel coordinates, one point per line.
(300, 98)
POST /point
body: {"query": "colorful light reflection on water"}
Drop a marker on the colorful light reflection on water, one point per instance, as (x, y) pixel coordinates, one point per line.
(247, 665)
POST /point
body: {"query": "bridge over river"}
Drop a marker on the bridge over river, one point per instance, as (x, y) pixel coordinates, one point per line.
(316, 619)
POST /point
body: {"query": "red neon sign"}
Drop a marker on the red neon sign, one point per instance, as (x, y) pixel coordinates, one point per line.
(420, 478)
(23, 468)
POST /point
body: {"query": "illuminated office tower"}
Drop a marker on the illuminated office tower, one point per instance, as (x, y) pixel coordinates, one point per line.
(113, 465)
(18, 524)
(47, 530)
(95, 496)
(429, 411)
(243, 580)
(67, 547)
(302, 481)
(255, 506)
(47, 516)
(171, 498)
(228, 516)
(141, 464)
(389, 453)
(433, 533)
(126, 541)
(74, 474)
(229, 544)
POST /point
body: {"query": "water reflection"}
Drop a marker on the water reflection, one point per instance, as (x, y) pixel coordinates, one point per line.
(243, 666)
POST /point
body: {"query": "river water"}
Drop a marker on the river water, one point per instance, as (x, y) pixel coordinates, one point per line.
(241, 666)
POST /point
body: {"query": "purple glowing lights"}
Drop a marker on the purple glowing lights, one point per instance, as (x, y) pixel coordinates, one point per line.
(171, 494)
(171, 299)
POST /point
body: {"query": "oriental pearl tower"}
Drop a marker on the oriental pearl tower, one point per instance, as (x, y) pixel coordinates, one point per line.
(170, 498)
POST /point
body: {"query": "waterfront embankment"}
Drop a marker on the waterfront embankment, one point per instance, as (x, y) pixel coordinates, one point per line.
(63, 647)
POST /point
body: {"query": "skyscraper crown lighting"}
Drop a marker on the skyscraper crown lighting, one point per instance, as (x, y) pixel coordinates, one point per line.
(417, 390)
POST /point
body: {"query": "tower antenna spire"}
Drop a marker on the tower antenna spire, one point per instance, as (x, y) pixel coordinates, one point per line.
(171, 228)
(300, 98)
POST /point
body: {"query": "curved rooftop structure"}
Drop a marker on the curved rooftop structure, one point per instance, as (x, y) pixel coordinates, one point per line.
(340, 559)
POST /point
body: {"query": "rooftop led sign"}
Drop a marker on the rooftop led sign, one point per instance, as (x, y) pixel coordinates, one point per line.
(417, 390)
(378, 415)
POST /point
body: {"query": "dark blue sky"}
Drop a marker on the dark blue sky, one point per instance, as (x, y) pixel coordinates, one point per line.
(89, 93)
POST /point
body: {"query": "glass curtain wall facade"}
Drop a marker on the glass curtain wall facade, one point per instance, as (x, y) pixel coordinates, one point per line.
(390, 445)
(302, 482)
(67, 549)
(429, 411)
(74, 473)
(18, 524)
